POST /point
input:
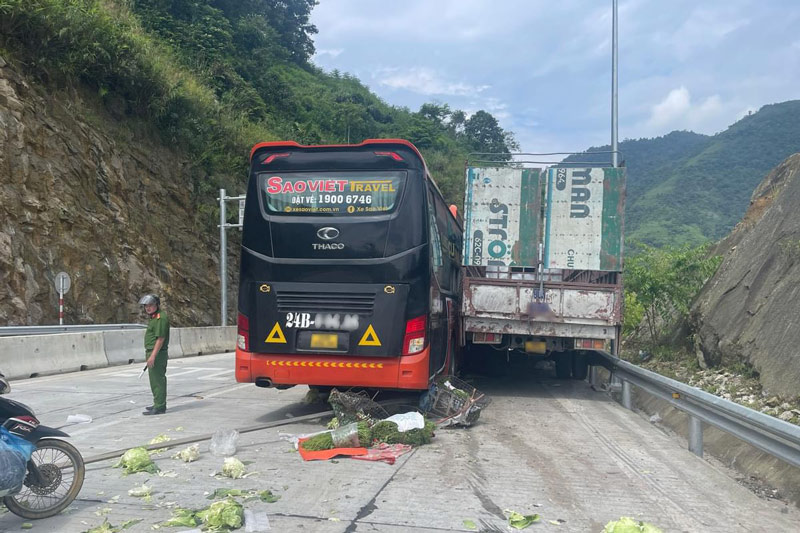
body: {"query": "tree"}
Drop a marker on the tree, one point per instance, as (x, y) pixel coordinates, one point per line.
(665, 281)
(438, 113)
(484, 134)
(289, 19)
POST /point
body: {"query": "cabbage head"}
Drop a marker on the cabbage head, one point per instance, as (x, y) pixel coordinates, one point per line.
(222, 515)
(137, 460)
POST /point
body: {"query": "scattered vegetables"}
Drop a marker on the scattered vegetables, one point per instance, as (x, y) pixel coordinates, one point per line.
(387, 431)
(323, 441)
(265, 495)
(137, 460)
(142, 491)
(233, 468)
(627, 524)
(181, 517)
(192, 453)
(469, 524)
(520, 521)
(333, 424)
(224, 515)
(219, 516)
(157, 440)
(106, 527)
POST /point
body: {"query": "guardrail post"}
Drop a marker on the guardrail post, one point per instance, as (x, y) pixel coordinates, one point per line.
(627, 403)
(696, 436)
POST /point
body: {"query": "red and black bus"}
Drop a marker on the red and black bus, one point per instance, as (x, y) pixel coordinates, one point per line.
(350, 268)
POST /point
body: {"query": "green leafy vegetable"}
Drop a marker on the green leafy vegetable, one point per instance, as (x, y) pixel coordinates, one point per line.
(627, 524)
(137, 460)
(520, 521)
(221, 516)
(182, 517)
(268, 497)
(264, 495)
(107, 527)
(323, 441)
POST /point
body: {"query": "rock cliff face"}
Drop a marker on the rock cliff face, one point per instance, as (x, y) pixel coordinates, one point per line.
(749, 310)
(83, 193)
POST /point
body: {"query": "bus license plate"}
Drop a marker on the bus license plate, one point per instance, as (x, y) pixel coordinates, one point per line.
(328, 341)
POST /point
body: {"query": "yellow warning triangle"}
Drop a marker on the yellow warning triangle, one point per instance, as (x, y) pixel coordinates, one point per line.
(370, 338)
(276, 335)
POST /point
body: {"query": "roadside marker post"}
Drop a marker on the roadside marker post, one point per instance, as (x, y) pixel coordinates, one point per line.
(62, 283)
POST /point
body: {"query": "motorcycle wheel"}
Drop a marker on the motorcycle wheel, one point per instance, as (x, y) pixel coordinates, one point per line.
(62, 470)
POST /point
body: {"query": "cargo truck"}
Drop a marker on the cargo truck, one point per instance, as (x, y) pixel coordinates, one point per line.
(542, 256)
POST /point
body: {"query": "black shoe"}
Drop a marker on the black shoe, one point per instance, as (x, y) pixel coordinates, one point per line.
(155, 412)
(149, 408)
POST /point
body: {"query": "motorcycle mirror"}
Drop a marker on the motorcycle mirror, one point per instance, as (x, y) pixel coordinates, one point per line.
(5, 386)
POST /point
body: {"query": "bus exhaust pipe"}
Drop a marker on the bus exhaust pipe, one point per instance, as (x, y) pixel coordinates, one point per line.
(265, 383)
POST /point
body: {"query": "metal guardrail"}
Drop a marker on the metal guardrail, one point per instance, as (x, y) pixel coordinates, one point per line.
(9, 331)
(771, 435)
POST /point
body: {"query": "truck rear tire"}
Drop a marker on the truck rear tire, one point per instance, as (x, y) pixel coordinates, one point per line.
(580, 366)
(563, 365)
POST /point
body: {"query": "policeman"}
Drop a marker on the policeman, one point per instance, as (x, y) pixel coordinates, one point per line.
(156, 340)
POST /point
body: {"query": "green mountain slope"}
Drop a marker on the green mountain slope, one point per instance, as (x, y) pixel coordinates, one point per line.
(213, 77)
(689, 188)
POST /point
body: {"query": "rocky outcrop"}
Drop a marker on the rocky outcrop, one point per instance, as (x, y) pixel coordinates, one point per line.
(748, 311)
(102, 201)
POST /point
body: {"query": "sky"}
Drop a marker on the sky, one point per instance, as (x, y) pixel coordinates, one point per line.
(543, 67)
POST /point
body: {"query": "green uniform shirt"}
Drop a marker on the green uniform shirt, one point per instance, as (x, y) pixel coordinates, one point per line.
(158, 326)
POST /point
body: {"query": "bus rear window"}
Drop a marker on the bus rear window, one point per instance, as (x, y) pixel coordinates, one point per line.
(331, 193)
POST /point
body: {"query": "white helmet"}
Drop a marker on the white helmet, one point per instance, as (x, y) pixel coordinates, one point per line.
(150, 299)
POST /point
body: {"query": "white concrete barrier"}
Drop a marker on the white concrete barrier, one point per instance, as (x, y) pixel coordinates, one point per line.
(29, 356)
(124, 347)
(175, 349)
(198, 341)
(32, 355)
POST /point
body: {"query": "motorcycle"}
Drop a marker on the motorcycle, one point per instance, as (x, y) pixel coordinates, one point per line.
(55, 470)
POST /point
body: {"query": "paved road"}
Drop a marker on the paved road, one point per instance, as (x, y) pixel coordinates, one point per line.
(554, 448)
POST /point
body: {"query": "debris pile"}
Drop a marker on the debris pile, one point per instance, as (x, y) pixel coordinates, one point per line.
(453, 402)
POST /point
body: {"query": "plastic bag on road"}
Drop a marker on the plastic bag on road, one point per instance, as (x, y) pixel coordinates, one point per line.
(79, 419)
(223, 443)
(345, 436)
(406, 421)
(14, 454)
(255, 522)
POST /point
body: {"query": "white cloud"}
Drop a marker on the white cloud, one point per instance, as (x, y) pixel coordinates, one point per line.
(676, 111)
(425, 81)
(331, 52)
(543, 67)
(674, 106)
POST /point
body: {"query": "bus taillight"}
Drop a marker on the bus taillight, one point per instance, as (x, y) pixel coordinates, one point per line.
(243, 332)
(393, 155)
(414, 340)
(269, 159)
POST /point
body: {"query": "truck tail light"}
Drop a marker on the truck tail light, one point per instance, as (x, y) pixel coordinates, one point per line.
(414, 339)
(590, 344)
(243, 332)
